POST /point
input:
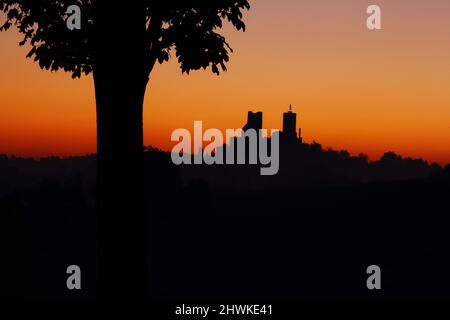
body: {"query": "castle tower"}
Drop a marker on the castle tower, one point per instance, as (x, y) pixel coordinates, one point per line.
(290, 124)
(254, 121)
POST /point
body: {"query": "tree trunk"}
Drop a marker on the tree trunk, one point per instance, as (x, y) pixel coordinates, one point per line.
(120, 81)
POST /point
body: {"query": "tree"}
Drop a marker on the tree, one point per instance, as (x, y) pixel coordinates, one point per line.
(120, 43)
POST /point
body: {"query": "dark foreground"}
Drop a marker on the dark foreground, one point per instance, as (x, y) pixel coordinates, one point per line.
(291, 247)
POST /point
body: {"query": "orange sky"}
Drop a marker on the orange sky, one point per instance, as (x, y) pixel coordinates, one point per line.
(365, 91)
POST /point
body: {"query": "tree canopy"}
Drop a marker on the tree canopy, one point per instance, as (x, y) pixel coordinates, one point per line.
(188, 28)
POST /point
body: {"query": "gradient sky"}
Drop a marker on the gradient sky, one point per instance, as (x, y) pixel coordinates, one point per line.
(355, 89)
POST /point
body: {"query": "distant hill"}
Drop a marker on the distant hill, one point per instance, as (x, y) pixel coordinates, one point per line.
(305, 165)
(215, 233)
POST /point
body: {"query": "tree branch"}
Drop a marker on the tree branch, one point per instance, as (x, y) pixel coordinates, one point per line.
(153, 34)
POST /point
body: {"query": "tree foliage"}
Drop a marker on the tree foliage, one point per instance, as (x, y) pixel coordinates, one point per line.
(187, 29)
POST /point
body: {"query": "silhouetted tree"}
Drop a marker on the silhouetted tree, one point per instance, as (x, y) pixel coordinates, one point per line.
(120, 43)
(390, 156)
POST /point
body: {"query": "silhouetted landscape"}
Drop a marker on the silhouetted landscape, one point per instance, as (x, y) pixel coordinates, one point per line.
(225, 232)
(146, 232)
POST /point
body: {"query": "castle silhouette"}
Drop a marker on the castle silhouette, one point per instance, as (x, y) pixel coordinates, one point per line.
(301, 164)
(289, 133)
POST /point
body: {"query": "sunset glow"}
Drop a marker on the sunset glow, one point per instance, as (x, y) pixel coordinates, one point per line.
(355, 89)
